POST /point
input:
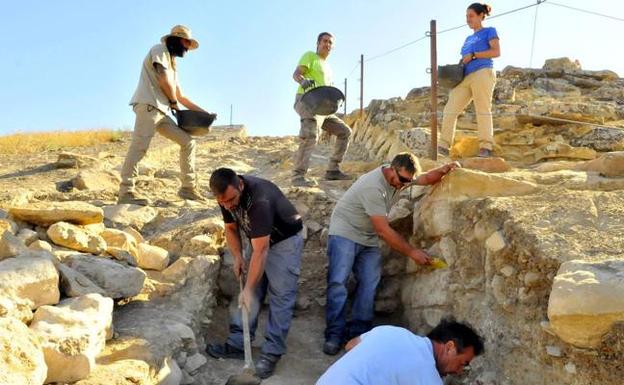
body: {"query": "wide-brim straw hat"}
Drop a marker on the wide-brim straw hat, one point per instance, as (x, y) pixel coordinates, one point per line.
(184, 33)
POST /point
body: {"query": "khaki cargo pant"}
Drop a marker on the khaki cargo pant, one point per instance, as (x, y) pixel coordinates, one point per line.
(150, 120)
(477, 86)
(308, 134)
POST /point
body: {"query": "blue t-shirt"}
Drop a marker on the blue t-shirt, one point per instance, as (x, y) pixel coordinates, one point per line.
(386, 355)
(478, 42)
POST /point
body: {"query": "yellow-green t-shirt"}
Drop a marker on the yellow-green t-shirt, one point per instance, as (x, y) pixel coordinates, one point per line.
(318, 70)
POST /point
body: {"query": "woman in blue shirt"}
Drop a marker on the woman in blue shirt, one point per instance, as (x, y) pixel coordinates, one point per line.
(478, 84)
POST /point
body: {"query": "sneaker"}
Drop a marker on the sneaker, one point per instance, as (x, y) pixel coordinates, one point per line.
(265, 366)
(133, 198)
(302, 181)
(443, 151)
(336, 175)
(485, 153)
(225, 351)
(190, 193)
(331, 347)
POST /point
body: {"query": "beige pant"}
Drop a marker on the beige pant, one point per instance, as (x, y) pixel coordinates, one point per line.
(308, 134)
(150, 120)
(477, 86)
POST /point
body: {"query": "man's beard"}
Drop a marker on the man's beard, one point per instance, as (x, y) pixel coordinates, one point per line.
(175, 47)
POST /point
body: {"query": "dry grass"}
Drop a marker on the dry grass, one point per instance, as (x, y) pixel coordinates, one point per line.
(27, 143)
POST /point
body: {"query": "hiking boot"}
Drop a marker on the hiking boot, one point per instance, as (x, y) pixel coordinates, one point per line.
(133, 198)
(225, 351)
(265, 366)
(190, 193)
(331, 347)
(337, 175)
(302, 181)
(485, 153)
(443, 151)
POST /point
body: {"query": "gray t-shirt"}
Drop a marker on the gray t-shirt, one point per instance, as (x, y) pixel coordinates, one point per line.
(369, 195)
(148, 90)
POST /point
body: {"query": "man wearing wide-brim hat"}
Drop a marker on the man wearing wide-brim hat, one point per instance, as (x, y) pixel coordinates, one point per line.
(157, 94)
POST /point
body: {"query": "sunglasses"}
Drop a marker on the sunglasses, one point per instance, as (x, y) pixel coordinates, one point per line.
(402, 179)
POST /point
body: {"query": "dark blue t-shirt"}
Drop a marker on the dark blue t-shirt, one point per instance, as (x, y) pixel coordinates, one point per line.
(478, 42)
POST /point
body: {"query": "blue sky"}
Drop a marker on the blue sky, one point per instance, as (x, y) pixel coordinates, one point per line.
(71, 65)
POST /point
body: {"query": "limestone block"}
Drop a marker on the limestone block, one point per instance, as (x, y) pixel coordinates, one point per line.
(15, 308)
(431, 289)
(10, 245)
(27, 236)
(610, 164)
(30, 278)
(73, 333)
(72, 160)
(117, 280)
(129, 215)
(76, 284)
(493, 164)
(47, 213)
(202, 244)
(152, 257)
(96, 180)
(496, 242)
(75, 238)
(463, 184)
(21, 357)
(7, 225)
(586, 300)
(561, 64)
(120, 244)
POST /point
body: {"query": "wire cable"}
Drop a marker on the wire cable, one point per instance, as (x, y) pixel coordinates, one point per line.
(587, 11)
(538, 2)
(396, 49)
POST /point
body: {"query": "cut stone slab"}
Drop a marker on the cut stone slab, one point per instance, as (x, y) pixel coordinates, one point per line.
(117, 280)
(152, 257)
(586, 300)
(129, 215)
(47, 213)
(493, 164)
(76, 284)
(75, 238)
(30, 278)
(463, 184)
(73, 333)
(21, 357)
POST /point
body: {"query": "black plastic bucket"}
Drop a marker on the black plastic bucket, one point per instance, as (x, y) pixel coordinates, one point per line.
(196, 123)
(323, 100)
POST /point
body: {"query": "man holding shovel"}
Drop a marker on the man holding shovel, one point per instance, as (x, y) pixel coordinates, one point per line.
(273, 227)
(158, 93)
(313, 71)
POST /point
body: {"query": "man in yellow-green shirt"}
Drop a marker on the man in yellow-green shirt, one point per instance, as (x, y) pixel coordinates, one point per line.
(313, 71)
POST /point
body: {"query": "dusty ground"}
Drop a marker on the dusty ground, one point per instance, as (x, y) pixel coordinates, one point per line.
(34, 176)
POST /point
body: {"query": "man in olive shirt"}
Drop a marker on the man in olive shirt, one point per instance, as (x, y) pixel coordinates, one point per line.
(313, 71)
(357, 222)
(272, 224)
(157, 94)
